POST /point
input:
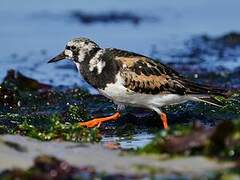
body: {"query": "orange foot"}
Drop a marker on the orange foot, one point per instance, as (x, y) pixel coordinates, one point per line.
(98, 121)
(164, 120)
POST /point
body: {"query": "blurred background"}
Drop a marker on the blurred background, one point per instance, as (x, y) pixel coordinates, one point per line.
(200, 39)
(33, 31)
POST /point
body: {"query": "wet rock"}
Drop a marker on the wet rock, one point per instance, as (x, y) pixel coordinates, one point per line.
(8, 97)
(49, 168)
(199, 140)
(54, 160)
(18, 80)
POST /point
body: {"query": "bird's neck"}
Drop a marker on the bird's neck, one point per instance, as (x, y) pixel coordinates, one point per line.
(97, 69)
(84, 64)
(85, 56)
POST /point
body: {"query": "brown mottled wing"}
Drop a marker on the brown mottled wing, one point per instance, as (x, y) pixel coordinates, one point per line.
(142, 74)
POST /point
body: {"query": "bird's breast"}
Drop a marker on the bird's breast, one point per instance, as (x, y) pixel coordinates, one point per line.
(119, 93)
(98, 74)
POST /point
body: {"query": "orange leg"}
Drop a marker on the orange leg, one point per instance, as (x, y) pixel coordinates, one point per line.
(98, 121)
(164, 120)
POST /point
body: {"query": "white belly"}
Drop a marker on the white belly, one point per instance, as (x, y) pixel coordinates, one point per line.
(118, 93)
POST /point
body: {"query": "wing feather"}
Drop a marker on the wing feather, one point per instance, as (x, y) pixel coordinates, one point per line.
(144, 75)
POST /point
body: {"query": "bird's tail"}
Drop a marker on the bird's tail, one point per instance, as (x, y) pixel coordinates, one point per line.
(200, 89)
(211, 100)
(205, 93)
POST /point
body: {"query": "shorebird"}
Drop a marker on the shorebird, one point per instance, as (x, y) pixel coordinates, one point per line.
(132, 79)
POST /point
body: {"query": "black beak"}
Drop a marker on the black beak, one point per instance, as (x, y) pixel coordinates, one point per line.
(59, 57)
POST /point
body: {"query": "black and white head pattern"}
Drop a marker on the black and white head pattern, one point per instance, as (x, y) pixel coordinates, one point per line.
(77, 49)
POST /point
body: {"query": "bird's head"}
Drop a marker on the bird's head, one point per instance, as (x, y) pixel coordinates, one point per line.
(77, 50)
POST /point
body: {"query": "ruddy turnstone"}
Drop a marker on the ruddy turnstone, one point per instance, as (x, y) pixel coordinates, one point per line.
(131, 79)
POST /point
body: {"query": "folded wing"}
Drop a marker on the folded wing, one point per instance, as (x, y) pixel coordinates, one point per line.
(142, 74)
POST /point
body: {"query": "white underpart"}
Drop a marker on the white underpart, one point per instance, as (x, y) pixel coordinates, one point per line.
(97, 62)
(120, 94)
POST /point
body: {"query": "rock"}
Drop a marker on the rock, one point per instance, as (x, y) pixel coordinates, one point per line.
(102, 159)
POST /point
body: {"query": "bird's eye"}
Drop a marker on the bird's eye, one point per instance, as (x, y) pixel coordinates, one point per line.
(73, 47)
(67, 47)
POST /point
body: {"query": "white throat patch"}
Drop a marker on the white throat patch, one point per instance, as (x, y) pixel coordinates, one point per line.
(68, 53)
(97, 62)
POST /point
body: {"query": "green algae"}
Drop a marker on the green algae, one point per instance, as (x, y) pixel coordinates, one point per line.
(75, 113)
(58, 130)
(33, 109)
(51, 127)
(222, 141)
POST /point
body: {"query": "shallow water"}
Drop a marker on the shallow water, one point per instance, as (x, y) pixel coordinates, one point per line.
(34, 31)
(136, 141)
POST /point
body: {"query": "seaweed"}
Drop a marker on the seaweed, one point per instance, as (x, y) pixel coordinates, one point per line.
(34, 109)
(222, 141)
(58, 130)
